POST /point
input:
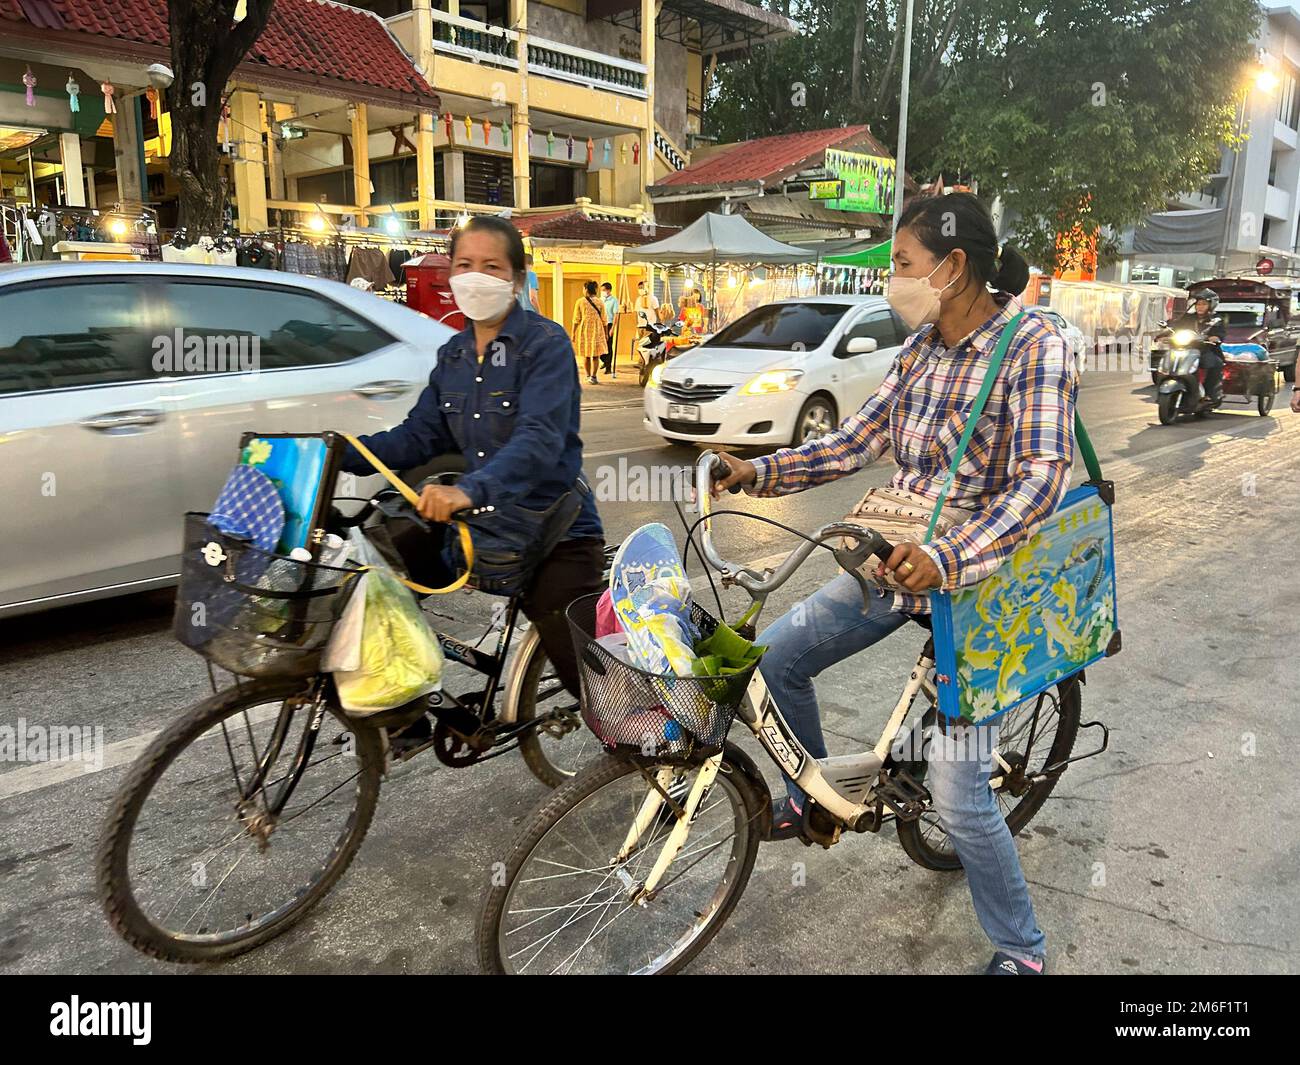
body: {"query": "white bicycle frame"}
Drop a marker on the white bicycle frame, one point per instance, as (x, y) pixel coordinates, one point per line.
(856, 773)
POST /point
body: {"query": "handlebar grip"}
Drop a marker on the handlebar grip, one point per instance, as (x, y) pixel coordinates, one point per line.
(720, 469)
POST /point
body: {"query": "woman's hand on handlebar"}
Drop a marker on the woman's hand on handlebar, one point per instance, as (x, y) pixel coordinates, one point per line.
(912, 568)
(438, 502)
(739, 473)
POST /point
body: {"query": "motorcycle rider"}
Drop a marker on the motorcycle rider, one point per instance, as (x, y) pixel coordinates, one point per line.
(1203, 319)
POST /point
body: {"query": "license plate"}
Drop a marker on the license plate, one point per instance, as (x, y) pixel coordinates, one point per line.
(686, 412)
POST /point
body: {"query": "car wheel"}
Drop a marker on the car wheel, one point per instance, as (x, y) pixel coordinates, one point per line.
(817, 417)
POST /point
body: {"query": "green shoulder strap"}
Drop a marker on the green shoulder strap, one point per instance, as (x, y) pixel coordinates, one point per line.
(977, 408)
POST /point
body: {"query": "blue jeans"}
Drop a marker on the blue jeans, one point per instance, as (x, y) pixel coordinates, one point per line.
(827, 628)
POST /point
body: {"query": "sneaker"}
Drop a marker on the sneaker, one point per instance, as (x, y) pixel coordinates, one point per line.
(1004, 964)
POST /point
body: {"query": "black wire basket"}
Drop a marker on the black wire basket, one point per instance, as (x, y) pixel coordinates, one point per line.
(254, 613)
(669, 718)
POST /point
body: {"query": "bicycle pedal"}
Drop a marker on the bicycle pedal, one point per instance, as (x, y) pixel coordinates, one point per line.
(905, 796)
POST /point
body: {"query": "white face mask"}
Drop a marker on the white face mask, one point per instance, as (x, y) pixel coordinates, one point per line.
(915, 299)
(482, 297)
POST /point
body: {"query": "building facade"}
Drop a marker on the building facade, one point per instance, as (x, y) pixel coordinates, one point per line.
(427, 110)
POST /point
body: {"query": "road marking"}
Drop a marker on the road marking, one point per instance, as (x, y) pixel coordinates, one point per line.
(122, 752)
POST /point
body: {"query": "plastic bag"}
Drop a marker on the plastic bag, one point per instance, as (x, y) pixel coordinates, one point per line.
(399, 657)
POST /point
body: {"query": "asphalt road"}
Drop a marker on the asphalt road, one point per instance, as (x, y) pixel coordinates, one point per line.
(1177, 851)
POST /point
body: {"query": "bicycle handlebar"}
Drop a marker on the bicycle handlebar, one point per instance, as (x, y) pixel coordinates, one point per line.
(869, 542)
(393, 504)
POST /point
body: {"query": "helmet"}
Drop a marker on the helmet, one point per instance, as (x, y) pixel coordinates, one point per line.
(1209, 295)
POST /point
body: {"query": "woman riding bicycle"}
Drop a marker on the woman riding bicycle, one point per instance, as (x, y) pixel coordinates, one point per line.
(956, 287)
(505, 395)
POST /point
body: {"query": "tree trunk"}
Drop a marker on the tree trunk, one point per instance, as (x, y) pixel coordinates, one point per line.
(206, 46)
(859, 27)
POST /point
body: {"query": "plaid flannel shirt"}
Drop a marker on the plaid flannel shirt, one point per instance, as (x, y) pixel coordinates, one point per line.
(1016, 468)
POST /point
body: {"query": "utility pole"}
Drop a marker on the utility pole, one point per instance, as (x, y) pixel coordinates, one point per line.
(900, 159)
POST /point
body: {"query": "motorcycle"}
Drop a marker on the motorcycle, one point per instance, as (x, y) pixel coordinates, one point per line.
(1180, 379)
(652, 348)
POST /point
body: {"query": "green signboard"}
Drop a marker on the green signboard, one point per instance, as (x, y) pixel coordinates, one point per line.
(868, 181)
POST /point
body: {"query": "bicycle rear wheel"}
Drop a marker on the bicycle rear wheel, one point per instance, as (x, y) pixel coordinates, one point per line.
(194, 863)
(926, 842)
(562, 905)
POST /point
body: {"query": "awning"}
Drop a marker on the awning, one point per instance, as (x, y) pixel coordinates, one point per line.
(1180, 232)
(876, 257)
(712, 26)
(718, 238)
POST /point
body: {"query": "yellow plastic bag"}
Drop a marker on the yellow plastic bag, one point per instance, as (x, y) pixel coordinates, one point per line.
(400, 659)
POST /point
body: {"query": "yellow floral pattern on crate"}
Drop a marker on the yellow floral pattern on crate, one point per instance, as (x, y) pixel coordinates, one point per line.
(1049, 609)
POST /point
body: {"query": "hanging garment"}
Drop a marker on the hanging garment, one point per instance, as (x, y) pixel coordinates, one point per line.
(333, 261)
(256, 256)
(301, 258)
(396, 258)
(371, 265)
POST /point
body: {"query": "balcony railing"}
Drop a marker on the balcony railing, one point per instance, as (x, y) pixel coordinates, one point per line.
(569, 63)
(498, 46)
(475, 41)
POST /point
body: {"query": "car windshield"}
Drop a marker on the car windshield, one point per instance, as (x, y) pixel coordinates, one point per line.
(1242, 314)
(781, 326)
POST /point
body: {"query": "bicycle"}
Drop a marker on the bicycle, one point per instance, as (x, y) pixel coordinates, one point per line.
(635, 864)
(253, 761)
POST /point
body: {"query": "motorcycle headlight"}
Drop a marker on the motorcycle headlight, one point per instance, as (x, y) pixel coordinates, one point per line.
(1184, 336)
(771, 381)
(655, 375)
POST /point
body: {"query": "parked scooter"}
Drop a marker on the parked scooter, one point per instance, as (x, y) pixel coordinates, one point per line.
(652, 348)
(1180, 380)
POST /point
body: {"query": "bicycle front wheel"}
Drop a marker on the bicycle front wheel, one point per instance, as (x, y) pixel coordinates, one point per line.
(235, 821)
(562, 904)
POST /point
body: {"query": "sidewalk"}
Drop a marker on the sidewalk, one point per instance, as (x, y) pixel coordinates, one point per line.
(612, 392)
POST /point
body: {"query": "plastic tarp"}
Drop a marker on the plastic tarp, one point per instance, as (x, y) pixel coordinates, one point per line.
(718, 238)
(877, 256)
(1180, 232)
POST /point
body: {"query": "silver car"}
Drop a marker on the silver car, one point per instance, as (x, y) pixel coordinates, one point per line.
(125, 387)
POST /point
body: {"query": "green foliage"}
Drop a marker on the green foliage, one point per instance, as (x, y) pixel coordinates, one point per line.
(1089, 112)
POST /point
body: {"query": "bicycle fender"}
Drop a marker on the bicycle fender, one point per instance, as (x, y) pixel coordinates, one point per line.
(743, 763)
(514, 675)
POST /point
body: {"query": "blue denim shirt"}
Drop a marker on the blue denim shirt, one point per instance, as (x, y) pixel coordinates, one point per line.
(515, 418)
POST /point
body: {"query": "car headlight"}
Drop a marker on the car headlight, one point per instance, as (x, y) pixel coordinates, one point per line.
(771, 381)
(655, 375)
(1184, 336)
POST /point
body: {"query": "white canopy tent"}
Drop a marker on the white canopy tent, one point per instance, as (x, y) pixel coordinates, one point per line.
(718, 238)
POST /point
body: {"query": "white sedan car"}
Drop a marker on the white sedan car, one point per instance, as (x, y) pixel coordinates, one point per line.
(119, 410)
(784, 373)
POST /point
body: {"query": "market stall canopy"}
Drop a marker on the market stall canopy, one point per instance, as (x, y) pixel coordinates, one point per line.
(718, 238)
(876, 256)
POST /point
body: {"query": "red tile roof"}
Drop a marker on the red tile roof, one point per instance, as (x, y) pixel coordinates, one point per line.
(770, 157)
(312, 40)
(576, 226)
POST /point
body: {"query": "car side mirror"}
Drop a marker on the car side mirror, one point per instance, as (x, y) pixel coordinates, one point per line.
(861, 346)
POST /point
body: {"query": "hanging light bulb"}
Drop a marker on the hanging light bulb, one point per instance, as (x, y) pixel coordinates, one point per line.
(463, 220)
(392, 225)
(117, 227)
(317, 222)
